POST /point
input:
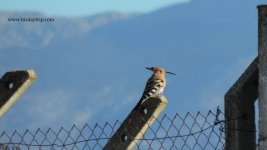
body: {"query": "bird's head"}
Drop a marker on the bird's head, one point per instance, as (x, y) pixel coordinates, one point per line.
(160, 70)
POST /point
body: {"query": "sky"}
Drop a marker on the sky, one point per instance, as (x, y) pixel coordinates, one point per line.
(85, 7)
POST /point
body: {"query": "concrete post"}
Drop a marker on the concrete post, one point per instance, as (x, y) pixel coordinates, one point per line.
(262, 52)
(240, 111)
(136, 124)
(12, 85)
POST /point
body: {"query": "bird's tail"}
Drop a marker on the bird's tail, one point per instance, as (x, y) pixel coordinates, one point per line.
(141, 101)
(138, 104)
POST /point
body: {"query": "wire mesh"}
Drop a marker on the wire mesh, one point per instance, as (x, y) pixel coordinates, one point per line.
(181, 132)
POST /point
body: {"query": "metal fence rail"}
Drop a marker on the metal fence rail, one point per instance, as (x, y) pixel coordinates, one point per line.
(181, 132)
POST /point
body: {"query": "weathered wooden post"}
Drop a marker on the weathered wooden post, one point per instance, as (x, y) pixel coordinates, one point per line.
(136, 124)
(262, 52)
(240, 131)
(12, 85)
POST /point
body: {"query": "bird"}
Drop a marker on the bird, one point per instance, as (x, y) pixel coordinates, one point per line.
(155, 84)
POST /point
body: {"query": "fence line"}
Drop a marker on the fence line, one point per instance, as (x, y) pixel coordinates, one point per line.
(180, 132)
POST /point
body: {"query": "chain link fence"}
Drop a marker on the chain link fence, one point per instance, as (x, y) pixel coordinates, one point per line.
(200, 131)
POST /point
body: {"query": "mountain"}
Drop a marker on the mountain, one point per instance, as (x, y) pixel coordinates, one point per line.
(94, 71)
(37, 34)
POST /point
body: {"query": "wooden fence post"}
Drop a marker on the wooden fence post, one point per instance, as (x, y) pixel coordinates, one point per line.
(12, 85)
(262, 52)
(240, 130)
(136, 124)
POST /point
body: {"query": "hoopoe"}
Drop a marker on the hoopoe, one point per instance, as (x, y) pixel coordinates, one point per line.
(155, 84)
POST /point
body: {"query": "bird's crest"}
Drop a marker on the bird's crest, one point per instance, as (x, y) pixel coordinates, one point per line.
(158, 69)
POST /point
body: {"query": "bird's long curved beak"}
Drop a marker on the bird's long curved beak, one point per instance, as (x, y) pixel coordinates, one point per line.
(170, 73)
(149, 68)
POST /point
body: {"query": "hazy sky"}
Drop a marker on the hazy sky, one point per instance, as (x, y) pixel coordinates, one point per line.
(85, 7)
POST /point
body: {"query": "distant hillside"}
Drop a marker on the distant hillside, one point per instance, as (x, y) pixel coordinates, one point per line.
(29, 34)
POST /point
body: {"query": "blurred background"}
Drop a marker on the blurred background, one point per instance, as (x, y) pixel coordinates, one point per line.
(90, 61)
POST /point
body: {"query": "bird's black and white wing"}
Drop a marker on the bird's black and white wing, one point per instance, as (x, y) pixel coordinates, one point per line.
(154, 87)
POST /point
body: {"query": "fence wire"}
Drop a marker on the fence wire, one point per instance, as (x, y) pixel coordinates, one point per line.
(181, 132)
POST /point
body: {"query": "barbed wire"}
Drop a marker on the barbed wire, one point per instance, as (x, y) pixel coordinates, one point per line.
(214, 120)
